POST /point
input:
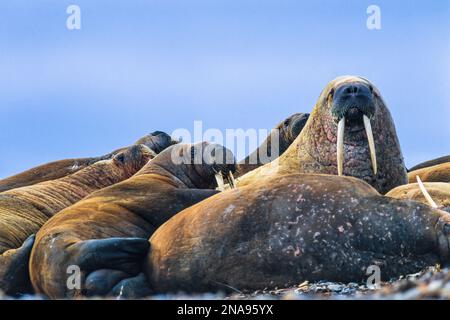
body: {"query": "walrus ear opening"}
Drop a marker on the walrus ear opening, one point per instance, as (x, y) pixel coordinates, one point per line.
(330, 97)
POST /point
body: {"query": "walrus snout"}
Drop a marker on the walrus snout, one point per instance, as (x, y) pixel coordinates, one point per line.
(353, 101)
(353, 106)
(222, 163)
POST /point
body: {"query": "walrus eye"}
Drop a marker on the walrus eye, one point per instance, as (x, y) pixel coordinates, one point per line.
(121, 158)
(331, 93)
(330, 96)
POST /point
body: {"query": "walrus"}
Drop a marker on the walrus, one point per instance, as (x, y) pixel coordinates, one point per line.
(435, 194)
(280, 137)
(281, 231)
(430, 163)
(156, 141)
(106, 234)
(436, 173)
(24, 210)
(349, 132)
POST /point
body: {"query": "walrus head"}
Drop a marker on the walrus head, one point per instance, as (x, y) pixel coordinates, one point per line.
(133, 158)
(351, 132)
(157, 141)
(352, 106)
(290, 129)
(202, 165)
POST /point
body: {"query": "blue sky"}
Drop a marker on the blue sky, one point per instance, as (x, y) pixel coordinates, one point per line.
(139, 66)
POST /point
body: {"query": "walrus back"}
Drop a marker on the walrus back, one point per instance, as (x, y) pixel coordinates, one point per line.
(436, 173)
(50, 171)
(18, 220)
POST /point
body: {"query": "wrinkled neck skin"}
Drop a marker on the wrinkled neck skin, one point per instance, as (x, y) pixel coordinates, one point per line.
(100, 174)
(182, 175)
(314, 150)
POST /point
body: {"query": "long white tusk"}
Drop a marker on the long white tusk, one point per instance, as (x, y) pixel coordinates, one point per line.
(425, 193)
(340, 146)
(231, 180)
(369, 133)
(219, 180)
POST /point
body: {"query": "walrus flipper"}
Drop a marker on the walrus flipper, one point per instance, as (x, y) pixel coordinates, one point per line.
(100, 282)
(122, 254)
(14, 275)
(106, 262)
(132, 288)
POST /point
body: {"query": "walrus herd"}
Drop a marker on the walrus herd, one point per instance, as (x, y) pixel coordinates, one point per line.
(161, 216)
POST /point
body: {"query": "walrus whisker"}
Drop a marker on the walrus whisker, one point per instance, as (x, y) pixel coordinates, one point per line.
(370, 139)
(340, 146)
(425, 193)
(228, 286)
(219, 180)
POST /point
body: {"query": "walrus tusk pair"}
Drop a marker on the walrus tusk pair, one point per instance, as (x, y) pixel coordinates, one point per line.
(426, 194)
(221, 184)
(340, 144)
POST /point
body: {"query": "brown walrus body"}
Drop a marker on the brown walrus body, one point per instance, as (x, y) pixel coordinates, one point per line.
(436, 173)
(430, 163)
(280, 139)
(24, 210)
(282, 231)
(439, 192)
(315, 150)
(106, 234)
(156, 141)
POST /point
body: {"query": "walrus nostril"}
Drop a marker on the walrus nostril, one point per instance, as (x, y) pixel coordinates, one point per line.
(351, 89)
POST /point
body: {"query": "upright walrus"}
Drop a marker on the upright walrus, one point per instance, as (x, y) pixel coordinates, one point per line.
(280, 138)
(350, 132)
(105, 235)
(24, 210)
(156, 141)
(282, 231)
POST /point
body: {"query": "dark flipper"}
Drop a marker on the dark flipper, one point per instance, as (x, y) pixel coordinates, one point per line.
(132, 288)
(106, 262)
(124, 254)
(14, 275)
(100, 282)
